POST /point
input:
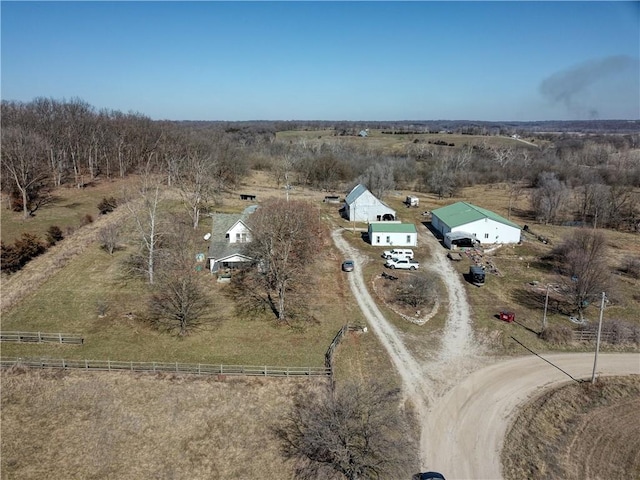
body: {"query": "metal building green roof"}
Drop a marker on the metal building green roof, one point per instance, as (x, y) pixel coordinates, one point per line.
(388, 227)
(461, 213)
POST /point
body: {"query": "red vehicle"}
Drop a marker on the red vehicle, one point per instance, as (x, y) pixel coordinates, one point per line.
(507, 316)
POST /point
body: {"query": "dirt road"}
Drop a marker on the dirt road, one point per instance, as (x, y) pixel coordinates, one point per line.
(470, 421)
(464, 409)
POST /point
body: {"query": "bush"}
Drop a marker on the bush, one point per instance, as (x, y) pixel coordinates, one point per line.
(107, 205)
(86, 220)
(16, 256)
(54, 235)
(557, 334)
(631, 266)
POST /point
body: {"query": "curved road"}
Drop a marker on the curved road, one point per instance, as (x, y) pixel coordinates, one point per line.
(463, 429)
(468, 424)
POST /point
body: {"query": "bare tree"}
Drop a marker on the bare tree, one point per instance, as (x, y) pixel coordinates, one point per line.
(23, 155)
(416, 290)
(356, 433)
(145, 211)
(549, 198)
(109, 237)
(441, 178)
(286, 238)
(179, 303)
(195, 182)
(379, 178)
(584, 265)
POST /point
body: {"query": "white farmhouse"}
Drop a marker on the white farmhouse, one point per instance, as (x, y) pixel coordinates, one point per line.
(462, 221)
(393, 234)
(228, 238)
(362, 206)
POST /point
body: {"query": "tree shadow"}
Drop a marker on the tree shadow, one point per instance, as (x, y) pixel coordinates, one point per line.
(535, 300)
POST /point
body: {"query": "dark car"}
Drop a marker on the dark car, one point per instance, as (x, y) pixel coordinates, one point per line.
(347, 266)
(429, 476)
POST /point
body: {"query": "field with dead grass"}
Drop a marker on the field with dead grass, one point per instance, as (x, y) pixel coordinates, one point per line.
(518, 266)
(76, 287)
(577, 431)
(126, 426)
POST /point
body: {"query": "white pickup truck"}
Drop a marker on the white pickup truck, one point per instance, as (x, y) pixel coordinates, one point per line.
(402, 263)
(398, 253)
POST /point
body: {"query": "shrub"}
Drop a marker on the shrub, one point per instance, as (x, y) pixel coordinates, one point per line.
(557, 334)
(54, 234)
(107, 205)
(631, 266)
(86, 220)
(9, 259)
(16, 256)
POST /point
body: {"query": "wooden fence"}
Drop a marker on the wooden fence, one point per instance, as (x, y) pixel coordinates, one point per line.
(40, 337)
(158, 367)
(591, 336)
(328, 357)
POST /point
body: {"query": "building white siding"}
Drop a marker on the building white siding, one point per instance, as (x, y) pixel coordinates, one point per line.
(383, 234)
(239, 233)
(487, 230)
(362, 206)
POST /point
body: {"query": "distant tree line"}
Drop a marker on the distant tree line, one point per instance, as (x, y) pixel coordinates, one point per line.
(591, 177)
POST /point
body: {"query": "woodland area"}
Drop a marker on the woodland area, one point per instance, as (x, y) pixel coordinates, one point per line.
(586, 177)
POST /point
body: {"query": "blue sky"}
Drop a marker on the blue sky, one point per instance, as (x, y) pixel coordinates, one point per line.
(494, 61)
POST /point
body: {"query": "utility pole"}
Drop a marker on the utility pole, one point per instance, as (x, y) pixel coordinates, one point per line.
(595, 360)
(546, 304)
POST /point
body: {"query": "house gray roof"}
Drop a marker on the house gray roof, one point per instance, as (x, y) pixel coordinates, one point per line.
(355, 193)
(219, 247)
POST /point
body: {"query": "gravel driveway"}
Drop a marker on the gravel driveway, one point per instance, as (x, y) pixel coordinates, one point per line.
(465, 400)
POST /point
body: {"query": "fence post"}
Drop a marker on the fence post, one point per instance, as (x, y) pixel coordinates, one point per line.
(265, 370)
(39, 338)
(109, 365)
(60, 337)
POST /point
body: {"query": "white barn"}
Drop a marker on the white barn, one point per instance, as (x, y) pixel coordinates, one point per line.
(463, 220)
(393, 234)
(362, 206)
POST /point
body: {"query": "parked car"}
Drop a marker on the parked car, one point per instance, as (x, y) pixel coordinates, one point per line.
(347, 266)
(402, 263)
(398, 253)
(429, 476)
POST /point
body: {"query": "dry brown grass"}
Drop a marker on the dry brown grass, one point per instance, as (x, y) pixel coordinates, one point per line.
(124, 426)
(576, 432)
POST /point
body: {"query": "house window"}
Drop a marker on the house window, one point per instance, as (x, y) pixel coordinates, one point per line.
(486, 235)
(237, 237)
(409, 239)
(388, 239)
(377, 238)
(241, 237)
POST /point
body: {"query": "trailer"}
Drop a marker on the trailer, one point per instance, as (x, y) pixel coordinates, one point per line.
(476, 275)
(412, 201)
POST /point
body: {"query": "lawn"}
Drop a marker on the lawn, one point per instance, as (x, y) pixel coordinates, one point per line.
(71, 299)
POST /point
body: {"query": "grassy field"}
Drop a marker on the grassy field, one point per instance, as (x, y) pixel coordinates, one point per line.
(130, 426)
(126, 426)
(68, 301)
(577, 431)
(389, 143)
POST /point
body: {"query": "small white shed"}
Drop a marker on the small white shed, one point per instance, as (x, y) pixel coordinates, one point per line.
(393, 234)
